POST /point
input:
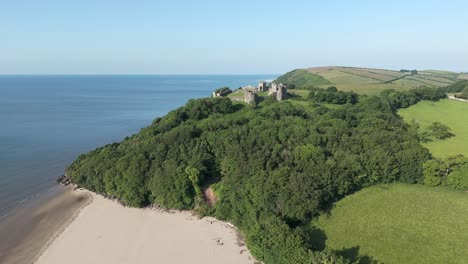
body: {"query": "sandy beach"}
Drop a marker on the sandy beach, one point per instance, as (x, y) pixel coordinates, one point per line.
(106, 232)
(27, 233)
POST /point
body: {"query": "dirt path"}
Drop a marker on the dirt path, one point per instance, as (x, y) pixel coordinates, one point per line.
(458, 99)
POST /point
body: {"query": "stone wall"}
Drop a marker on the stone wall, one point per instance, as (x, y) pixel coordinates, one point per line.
(262, 87)
(279, 90)
(282, 93)
(250, 97)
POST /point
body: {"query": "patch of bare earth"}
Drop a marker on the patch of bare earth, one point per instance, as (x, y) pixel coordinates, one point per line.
(210, 197)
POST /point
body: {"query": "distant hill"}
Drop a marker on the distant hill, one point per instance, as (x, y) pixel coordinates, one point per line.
(302, 78)
(368, 80)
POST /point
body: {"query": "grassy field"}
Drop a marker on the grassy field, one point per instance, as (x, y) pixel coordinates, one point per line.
(463, 76)
(301, 78)
(371, 81)
(398, 224)
(367, 80)
(369, 88)
(299, 92)
(449, 112)
(238, 94)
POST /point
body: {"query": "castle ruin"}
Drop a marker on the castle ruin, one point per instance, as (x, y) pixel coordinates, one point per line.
(262, 87)
(279, 90)
(250, 97)
(281, 93)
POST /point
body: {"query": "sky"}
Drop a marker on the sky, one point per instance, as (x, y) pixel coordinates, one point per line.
(229, 37)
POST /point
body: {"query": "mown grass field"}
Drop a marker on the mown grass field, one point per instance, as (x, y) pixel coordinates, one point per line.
(399, 223)
(449, 112)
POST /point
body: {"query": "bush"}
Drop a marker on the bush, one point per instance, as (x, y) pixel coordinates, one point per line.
(333, 96)
(452, 173)
(464, 94)
(439, 131)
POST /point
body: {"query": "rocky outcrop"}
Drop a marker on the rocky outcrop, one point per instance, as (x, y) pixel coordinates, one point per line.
(64, 180)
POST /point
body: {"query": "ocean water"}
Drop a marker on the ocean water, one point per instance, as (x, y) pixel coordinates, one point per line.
(47, 121)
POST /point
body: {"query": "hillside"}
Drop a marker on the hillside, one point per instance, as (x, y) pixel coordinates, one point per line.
(302, 78)
(367, 80)
(271, 167)
(398, 224)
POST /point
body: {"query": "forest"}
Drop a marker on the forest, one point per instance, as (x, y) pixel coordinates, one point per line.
(273, 167)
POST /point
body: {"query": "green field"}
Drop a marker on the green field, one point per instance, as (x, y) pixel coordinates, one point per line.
(463, 76)
(449, 112)
(366, 80)
(399, 223)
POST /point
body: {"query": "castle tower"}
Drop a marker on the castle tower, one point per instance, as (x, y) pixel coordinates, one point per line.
(250, 97)
(262, 87)
(273, 89)
(281, 93)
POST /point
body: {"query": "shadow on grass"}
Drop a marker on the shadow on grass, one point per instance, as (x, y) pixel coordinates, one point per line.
(353, 255)
(238, 107)
(316, 239)
(295, 96)
(317, 242)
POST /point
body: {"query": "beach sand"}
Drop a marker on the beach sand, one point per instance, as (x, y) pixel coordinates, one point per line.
(26, 233)
(106, 232)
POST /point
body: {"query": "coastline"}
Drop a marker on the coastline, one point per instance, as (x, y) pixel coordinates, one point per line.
(104, 231)
(27, 232)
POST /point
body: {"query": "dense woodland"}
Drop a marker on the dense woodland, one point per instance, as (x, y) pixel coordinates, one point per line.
(273, 167)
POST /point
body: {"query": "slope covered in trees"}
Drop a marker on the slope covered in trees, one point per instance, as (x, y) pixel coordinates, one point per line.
(273, 167)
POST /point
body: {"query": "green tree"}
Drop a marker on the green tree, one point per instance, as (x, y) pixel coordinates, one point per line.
(464, 94)
(440, 131)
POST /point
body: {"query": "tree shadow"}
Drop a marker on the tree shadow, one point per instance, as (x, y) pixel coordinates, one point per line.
(317, 239)
(353, 255)
(294, 96)
(238, 107)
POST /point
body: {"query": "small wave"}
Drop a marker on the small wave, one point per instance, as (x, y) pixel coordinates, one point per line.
(5, 215)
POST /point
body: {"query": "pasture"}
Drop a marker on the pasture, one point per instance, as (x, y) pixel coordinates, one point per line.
(373, 81)
(398, 223)
(450, 112)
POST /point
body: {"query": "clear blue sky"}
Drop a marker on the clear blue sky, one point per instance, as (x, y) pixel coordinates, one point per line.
(179, 37)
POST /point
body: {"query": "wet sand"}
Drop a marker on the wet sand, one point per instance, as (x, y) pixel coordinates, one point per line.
(27, 232)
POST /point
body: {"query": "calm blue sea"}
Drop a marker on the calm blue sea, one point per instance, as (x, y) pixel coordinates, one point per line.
(47, 121)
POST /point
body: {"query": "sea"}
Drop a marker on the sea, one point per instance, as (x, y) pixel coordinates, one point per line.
(47, 121)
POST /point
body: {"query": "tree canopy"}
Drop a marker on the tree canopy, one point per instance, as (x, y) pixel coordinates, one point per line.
(277, 165)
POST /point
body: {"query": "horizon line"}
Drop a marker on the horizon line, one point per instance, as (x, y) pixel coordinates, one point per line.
(130, 74)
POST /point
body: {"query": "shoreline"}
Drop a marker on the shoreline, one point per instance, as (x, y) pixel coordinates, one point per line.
(27, 232)
(104, 231)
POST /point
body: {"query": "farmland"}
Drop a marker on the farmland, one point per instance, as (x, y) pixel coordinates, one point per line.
(398, 223)
(367, 80)
(452, 113)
